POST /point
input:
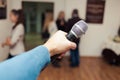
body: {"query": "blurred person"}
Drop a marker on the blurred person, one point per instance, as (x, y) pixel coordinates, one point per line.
(46, 20)
(15, 42)
(28, 66)
(61, 21)
(111, 50)
(51, 27)
(74, 54)
(117, 37)
(119, 31)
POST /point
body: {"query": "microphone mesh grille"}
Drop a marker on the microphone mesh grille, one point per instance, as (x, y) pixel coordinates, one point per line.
(80, 28)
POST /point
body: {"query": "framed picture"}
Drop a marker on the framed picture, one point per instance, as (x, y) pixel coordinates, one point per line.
(3, 11)
(95, 11)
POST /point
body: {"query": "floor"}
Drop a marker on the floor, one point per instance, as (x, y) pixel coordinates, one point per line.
(32, 40)
(89, 69)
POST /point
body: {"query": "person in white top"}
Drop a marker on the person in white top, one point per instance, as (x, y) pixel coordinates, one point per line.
(51, 27)
(49, 24)
(15, 42)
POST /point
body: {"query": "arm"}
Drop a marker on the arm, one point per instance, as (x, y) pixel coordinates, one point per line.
(27, 66)
(19, 32)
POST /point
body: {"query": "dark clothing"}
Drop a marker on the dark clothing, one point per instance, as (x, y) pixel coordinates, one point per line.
(45, 34)
(74, 54)
(111, 57)
(74, 57)
(10, 56)
(70, 24)
(59, 24)
(119, 32)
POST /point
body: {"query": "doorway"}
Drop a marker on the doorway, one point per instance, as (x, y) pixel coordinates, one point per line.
(34, 19)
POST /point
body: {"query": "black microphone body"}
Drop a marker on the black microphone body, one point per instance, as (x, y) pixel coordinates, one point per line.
(71, 37)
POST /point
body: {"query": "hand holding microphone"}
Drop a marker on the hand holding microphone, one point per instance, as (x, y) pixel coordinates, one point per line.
(76, 32)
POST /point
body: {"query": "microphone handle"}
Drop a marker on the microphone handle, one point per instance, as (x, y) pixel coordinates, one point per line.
(70, 37)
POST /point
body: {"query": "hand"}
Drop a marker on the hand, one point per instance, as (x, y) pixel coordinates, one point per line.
(3, 45)
(58, 43)
(6, 43)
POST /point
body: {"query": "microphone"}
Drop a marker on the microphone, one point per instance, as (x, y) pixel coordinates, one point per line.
(75, 33)
(77, 30)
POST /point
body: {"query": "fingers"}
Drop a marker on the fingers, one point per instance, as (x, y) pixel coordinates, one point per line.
(62, 32)
(72, 45)
(58, 43)
(61, 56)
(3, 45)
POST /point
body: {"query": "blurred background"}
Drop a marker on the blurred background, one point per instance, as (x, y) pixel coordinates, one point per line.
(99, 48)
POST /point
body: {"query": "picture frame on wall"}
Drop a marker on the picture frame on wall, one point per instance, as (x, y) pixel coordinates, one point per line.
(3, 9)
(95, 11)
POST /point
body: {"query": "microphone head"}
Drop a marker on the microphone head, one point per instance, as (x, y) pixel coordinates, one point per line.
(79, 28)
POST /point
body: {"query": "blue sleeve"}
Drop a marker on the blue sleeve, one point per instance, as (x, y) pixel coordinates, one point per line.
(26, 66)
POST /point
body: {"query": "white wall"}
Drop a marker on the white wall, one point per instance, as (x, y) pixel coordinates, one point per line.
(97, 33)
(16, 4)
(4, 31)
(5, 27)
